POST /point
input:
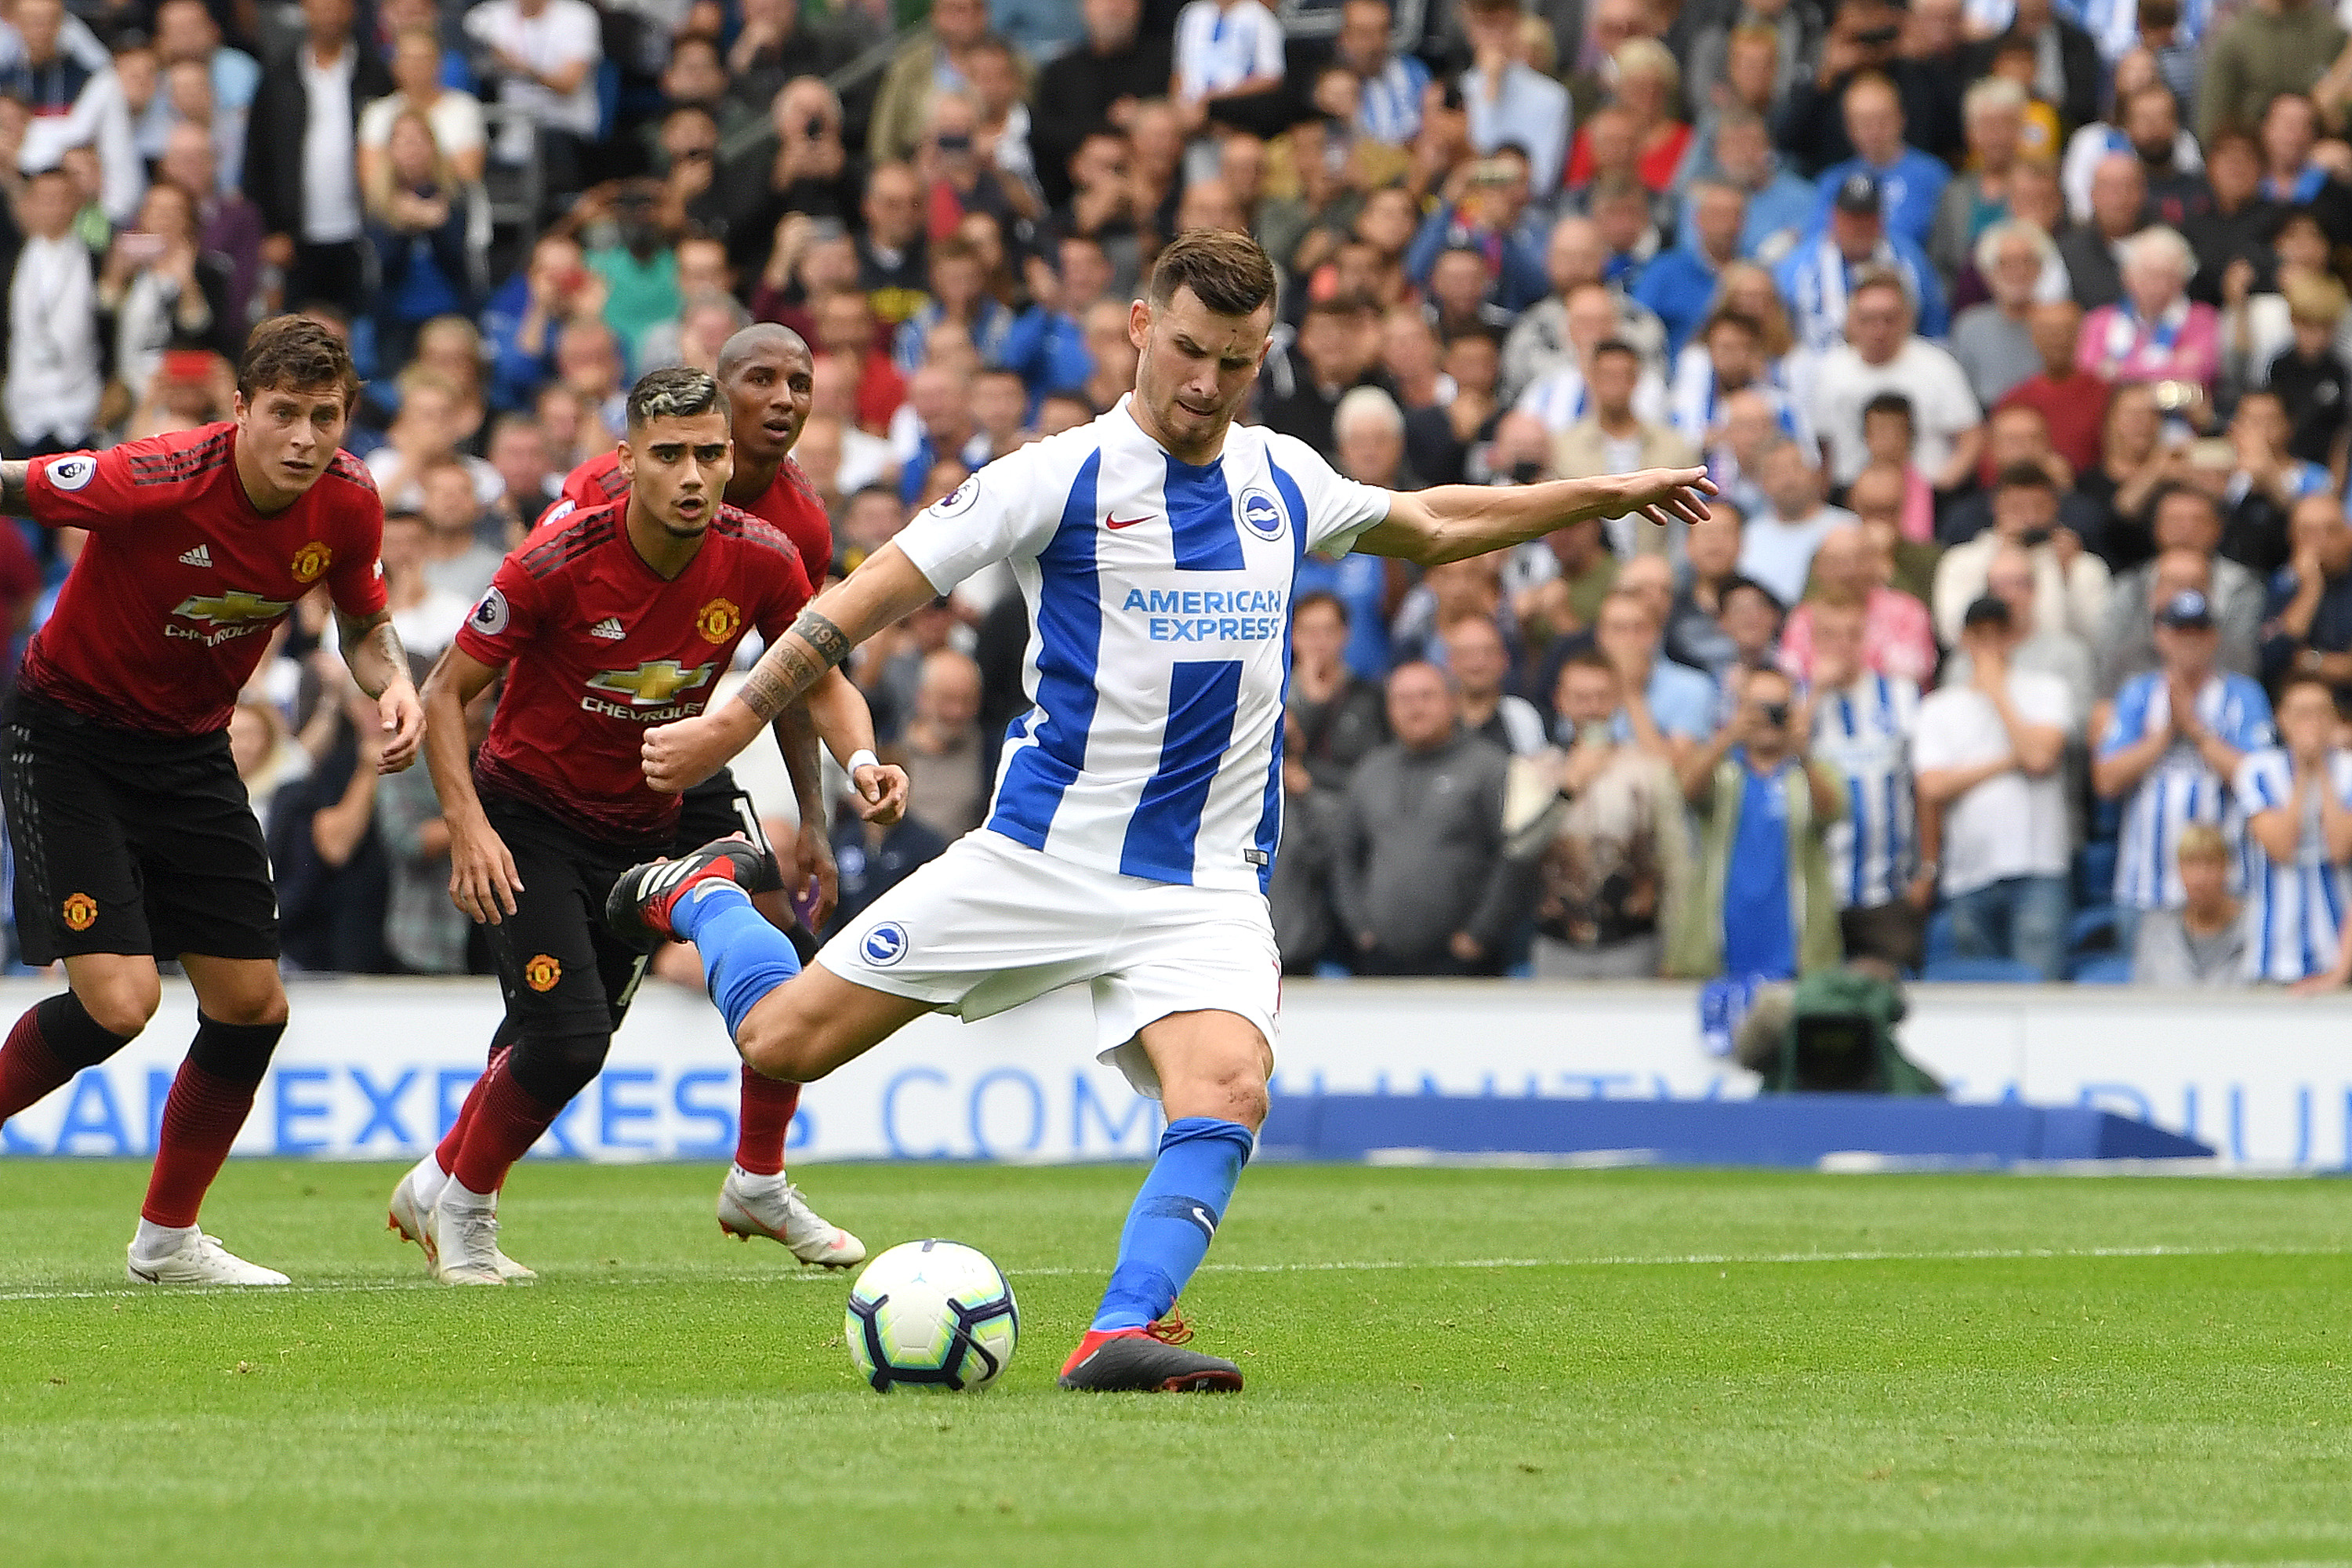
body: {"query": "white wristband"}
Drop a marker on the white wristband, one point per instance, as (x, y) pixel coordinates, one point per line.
(861, 759)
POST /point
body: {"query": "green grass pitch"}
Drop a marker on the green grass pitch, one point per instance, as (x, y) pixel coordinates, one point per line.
(1446, 1367)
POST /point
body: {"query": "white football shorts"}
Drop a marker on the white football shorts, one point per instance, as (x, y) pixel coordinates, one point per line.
(992, 923)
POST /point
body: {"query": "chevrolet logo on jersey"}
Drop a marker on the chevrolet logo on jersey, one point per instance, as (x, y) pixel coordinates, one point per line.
(655, 681)
(223, 616)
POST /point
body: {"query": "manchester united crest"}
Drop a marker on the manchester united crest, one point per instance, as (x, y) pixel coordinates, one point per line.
(541, 973)
(717, 620)
(311, 560)
(80, 911)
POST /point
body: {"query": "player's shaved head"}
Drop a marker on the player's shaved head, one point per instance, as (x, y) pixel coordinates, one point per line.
(755, 342)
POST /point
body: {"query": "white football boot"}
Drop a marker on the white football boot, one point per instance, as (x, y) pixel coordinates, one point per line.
(751, 1206)
(413, 1221)
(198, 1260)
(466, 1243)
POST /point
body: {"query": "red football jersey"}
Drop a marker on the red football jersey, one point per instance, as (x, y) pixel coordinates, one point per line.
(170, 606)
(790, 503)
(597, 647)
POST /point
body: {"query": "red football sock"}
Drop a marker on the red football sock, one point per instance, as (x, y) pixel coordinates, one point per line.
(445, 1156)
(768, 1106)
(201, 1119)
(29, 1070)
(501, 1130)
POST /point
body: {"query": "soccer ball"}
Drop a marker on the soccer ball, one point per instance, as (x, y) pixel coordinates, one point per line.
(932, 1315)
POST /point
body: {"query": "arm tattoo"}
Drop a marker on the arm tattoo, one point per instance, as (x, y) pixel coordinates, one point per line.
(787, 670)
(362, 636)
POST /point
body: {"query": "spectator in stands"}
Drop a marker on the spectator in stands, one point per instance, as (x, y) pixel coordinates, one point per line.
(1777, 547)
(2268, 48)
(1821, 276)
(2171, 747)
(185, 33)
(1882, 354)
(2071, 402)
(941, 747)
(2308, 371)
(2296, 795)
(1339, 714)
(874, 859)
(168, 296)
(518, 453)
(1779, 205)
(2187, 526)
(1898, 641)
(2176, 191)
(2071, 585)
(1694, 634)
(2238, 226)
(1390, 87)
(76, 102)
(333, 875)
(1862, 725)
(958, 295)
(267, 756)
(1666, 709)
(54, 380)
(891, 264)
(2307, 620)
(458, 560)
(1615, 437)
(1336, 350)
(1783, 36)
(2202, 943)
(1726, 357)
(1492, 219)
(1507, 98)
(2067, 67)
(1862, 41)
(1419, 879)
(2265, 484)
(301, 167)
(1994, 341)
(417, 223)
(1978, 197)
(453, 117)
(1649, 92)
(2156, 333)
(2048, 650)
(1555, 585)
(937, 426)
(1910, 183)
(1762, 904)
(932, 59)
(1228, 53)
(1987, 758)
(1612, 849)
(1561, 396)
(2092, 249)
(231, 225)
(2018, 435)
(1679, 287)
(1480, 661)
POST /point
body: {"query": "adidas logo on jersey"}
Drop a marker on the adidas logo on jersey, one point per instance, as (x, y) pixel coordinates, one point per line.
(202, 556)
(609, 628)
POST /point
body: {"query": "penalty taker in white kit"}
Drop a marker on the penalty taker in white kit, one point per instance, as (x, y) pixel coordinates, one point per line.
(1138, 806)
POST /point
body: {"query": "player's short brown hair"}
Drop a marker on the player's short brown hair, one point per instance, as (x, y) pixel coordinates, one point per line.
(1226, 271)
(295, 354)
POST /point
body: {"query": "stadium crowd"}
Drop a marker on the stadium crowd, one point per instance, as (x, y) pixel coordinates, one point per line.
(2013, 333)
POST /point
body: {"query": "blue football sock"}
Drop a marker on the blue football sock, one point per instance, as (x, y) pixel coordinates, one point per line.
(743, 957)
(1176, 1213)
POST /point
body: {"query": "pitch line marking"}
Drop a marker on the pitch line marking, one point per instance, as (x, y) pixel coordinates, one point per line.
(1376, 1266)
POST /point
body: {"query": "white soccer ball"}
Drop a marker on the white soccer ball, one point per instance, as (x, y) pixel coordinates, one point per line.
(933, 1315)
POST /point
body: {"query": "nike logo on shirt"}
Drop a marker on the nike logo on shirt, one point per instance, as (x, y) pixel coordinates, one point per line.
(1126, 521)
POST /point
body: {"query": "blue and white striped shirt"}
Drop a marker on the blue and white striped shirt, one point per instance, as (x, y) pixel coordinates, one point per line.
(1158, 597)
(1865, 732)
(1559, 399)
(1388, 107)
(1218, 49)
(1694, 403)
(2294, 912)
(2179, 789)
(2113, 25)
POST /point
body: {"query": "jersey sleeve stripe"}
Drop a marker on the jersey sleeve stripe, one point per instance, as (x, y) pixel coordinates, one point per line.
(583, 532)
(1053, 749)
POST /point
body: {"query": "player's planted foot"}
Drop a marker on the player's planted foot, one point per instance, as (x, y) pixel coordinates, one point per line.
(412, 1218)
(1149, 1360)
(639, 908)
(466, 1239)
(198, 1259)
(751, 1206)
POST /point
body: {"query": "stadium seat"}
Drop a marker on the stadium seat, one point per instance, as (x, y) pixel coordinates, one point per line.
(1940, 936)
(2092, 930)
(2094, 874)
(1981, 972)
(2103, 969)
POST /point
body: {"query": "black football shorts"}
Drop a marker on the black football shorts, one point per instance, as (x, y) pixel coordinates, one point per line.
(130, 842)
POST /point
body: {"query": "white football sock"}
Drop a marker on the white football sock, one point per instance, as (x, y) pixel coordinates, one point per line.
(759, 1186)
(456, 1194)
(427, 1178)
(157, 1241)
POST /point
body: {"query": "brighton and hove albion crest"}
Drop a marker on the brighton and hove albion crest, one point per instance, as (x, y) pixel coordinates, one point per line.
(1261, 515)
(717, 620)
(311, 560)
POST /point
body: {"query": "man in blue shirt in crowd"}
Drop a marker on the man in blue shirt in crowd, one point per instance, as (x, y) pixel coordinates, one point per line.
(1910, 182)
(1680, 285)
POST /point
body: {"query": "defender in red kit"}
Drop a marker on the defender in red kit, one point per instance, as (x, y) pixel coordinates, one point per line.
(608, 619)
(132, 836)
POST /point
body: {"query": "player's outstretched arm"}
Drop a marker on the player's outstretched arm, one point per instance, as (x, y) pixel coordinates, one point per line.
(846, 723)
(886, 588)
(1452, 522)
(371, 649)
(483, 880)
